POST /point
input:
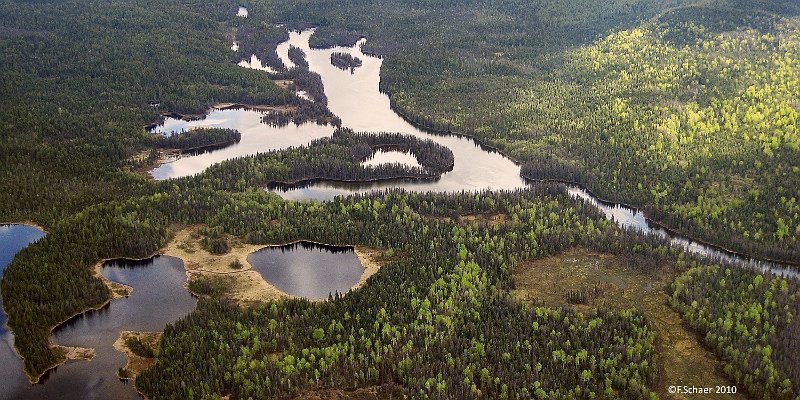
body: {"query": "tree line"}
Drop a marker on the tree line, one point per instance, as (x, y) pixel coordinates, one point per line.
(199, 138)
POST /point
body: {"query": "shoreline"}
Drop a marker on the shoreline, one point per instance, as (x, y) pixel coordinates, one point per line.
(284, 108)
(28, 223)
(134, 362)
(365, 254)
(248, 284)
(667, 228)
(34, 379)
(303, 183)
(71, 350)
(367, 257)
(658, 223)
(218, 106)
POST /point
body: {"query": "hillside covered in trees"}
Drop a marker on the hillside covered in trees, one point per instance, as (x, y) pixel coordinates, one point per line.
(686, 108)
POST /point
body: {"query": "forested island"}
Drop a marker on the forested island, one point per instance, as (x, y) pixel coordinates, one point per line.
(685, 109)
(199, 138)
(345, 61)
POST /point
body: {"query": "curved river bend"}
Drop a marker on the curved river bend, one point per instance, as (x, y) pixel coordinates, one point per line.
(356, 99)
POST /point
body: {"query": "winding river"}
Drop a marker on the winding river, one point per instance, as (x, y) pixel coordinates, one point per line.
(356, 99)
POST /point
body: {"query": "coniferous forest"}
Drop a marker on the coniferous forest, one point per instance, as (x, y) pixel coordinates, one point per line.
(685, 109)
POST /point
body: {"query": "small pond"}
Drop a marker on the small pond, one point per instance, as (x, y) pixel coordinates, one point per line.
(308, 269)
(391, 157)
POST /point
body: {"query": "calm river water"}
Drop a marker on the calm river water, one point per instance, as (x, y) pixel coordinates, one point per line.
(356, 99)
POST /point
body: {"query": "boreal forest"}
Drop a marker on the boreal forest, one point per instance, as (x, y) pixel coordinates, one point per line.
(645, 245)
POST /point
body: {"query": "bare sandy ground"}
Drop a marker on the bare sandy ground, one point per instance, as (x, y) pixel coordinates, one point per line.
(136, 364)
(246, 284)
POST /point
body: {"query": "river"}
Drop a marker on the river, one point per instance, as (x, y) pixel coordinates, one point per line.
(356, 99)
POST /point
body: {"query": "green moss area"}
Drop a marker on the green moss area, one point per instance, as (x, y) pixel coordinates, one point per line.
(588, 280)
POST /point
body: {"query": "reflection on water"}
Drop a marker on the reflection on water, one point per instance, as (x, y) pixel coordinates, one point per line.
(257, 137)
(355, 98)
(13, 238)
(158, 298)
(308, 269)
(392, 157)
(255, 63)
(629, 218)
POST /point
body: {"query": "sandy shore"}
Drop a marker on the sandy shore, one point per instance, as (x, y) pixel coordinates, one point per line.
(245, 284)
(368, 257)
(136, 364)
(118, 290)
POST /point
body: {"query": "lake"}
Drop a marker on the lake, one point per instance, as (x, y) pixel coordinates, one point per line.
(308, 269)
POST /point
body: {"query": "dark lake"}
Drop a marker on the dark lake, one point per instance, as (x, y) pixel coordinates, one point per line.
(13, 238)
(308, 269)
(158, 298)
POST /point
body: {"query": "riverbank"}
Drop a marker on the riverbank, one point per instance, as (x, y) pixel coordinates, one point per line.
(301, 183)
(136, 363)
(428, 126)
(285, 108)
